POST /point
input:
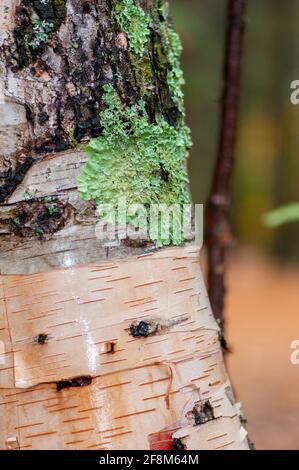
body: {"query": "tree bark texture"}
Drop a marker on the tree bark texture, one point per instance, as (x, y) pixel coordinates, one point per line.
(52, 97)
(102, 347)
(115, 356)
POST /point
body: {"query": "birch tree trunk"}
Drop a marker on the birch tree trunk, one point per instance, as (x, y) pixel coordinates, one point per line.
(103, 345)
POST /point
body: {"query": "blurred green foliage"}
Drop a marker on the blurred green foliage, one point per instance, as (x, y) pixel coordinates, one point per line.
(282, 215)
(267, 166)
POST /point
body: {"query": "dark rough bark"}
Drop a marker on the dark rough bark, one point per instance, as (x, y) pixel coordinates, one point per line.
(53, 88)
(64, 77)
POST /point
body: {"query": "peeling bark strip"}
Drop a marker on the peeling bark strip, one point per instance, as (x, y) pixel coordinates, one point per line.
(218, 229)
(164, 391)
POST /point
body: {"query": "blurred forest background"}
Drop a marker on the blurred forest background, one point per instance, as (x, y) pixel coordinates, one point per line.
(263, 299)
(268, 164)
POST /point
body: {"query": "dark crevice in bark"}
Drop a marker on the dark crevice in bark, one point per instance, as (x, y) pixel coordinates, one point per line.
(178, 445)
(10, 178)
(77, 382)
(37, 217)
(152, 327)
(161, 100)
(41, 339)
(23, 33)
(202, 413)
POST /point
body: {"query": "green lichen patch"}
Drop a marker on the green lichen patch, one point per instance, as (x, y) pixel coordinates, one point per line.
(135, 23)
(133, 158)
(175, 77)
(41, 32)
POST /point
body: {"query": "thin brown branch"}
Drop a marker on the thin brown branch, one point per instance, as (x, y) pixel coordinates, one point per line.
(217, 219)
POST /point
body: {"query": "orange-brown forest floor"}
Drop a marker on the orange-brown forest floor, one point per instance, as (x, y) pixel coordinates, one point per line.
(262, 321)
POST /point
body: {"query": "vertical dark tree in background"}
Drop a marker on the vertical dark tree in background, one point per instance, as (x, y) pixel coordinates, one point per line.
(217, 217)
